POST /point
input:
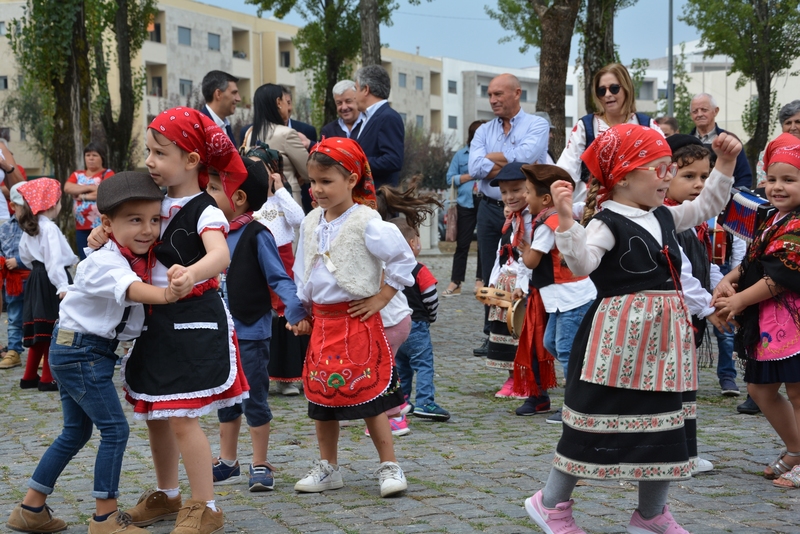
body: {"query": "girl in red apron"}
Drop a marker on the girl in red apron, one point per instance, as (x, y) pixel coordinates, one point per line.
(633, 355)
(349, 265)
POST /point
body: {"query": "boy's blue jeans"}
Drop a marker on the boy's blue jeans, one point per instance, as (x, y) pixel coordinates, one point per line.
(416, 356)
(726, 367)
(560, 333)
(255, 360)
(84, 370)
(14, 305)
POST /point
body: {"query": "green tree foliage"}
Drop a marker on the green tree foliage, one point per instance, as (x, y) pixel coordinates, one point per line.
(762, 39)
(750, 114)
(30, 108)
(682, 103)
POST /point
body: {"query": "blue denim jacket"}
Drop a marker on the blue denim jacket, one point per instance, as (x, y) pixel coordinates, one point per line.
(458, 166)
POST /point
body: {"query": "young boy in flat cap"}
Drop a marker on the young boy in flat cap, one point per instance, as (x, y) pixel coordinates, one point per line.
(99, 310)
(564, 296)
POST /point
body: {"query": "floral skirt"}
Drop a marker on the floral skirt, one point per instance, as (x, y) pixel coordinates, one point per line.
(620, 433)
(502, 346)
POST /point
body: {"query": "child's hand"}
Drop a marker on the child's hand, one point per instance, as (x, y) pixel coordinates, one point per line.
(62, 295)
(303, 328)
(97, 238)
(181, 280)
(718, 322)
(523, 247)
(368, 307)
(561, 191)
(723, 289)
(11, 263)
(727, 148)
(729, 307)
(517, 294)
(276, 181)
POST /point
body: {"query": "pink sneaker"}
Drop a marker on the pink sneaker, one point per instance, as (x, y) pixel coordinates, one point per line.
(506, 391)
(556, 520)
(663, 523)
(398, 411)
(399, 426)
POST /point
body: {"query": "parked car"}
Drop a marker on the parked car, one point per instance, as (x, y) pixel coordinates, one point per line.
(443, 222)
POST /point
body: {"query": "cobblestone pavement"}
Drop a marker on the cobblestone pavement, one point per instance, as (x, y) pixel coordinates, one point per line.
(470, 474)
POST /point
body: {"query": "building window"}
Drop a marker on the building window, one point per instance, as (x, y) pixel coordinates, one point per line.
(156, 87)
(524, 96)
(184, 36)
(2, 28)
(186, 87)
(20, 81)
(420, 121)
(213, 41)
(662, 94)
(569, 122)
(155, 33)
(401, 79)
(452, 122)
(419, 83)
(403, 116)
(484, 91)
(3, 83)
(452, 87)
(5, 133)
(286, 59)
(568, 90)
(645, 91)
(22, 135)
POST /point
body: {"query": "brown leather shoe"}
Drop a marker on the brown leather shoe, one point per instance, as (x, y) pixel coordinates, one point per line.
(11, 359)
(23, 520)
(197, 518)
(154, 506)
(117, 523)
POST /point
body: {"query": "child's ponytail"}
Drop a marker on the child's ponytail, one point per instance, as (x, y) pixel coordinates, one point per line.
(590, 208)
(27, 220)
(413, 206)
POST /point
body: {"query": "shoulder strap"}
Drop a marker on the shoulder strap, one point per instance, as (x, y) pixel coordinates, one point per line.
(588, 124)
(643, 118)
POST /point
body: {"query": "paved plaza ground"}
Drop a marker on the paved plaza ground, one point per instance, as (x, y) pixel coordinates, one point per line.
(470, 474)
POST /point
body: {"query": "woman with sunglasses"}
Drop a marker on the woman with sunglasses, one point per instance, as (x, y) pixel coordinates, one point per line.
(614, 96)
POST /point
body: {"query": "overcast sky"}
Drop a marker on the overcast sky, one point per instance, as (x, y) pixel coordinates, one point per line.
(461, 29)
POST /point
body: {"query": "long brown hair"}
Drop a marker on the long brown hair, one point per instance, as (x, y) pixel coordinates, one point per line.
(590, 207)
(27, 220)
(413, 205)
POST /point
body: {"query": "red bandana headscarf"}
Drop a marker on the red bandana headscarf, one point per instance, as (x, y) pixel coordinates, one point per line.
(620, 150)
(349, 155)
(783, 149)
(192, 131)
(40, 194)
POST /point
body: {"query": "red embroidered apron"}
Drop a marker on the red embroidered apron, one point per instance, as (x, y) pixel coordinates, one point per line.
(348, 362)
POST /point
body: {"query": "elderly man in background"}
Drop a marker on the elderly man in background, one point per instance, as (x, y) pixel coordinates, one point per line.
(513, 136)
(349, 122)
(704, 112)
(221, 93)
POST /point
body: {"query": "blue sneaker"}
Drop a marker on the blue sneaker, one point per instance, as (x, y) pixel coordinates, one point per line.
(261, 478)
(225, 474)
(431, 411)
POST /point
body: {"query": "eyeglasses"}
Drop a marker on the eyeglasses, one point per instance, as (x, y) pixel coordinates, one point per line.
(601, 91)
(662, 170)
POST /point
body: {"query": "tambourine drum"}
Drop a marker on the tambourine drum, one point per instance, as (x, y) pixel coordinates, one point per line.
(516, 317)
(491, 296)
(744, 215)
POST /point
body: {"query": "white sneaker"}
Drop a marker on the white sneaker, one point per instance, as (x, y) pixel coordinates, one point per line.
(288, 389)
(393, 481)
(702, 466)
(323, 476)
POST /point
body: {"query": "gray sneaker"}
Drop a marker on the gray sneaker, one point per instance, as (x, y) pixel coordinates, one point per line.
(555, 418)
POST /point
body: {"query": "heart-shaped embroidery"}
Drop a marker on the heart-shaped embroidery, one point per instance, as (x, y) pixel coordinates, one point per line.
(637, 259)
(182, 239)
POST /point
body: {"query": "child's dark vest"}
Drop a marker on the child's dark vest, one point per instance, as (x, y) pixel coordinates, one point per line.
(697, 253)
(419, 312)
(248, 292)
(506, 250)
(181, 244)
(551, 269)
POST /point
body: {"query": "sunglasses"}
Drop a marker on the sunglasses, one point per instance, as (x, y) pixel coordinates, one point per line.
(662, 170)
(601, 91)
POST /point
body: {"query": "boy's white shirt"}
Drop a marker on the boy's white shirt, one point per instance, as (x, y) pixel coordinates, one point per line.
(517, 268)
(96, 301)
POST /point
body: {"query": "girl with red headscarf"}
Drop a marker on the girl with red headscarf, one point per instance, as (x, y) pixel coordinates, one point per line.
(349, 265)
(633, 355)
(766, 304)
(185, 364)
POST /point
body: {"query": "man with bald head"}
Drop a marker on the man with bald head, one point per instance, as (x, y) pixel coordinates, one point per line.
(512, 136)
(704, 110)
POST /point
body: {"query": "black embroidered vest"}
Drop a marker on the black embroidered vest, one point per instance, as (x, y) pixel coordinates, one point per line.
(248, 292)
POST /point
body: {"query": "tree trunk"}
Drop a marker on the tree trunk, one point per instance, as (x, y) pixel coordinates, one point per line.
(558, 24)
(333, 61)
(761, 136)
(598, 39)
(370, 33)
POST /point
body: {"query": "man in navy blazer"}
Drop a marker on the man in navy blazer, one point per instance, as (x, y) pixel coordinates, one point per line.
(349, 122)
(382, 134)
(221, 93)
